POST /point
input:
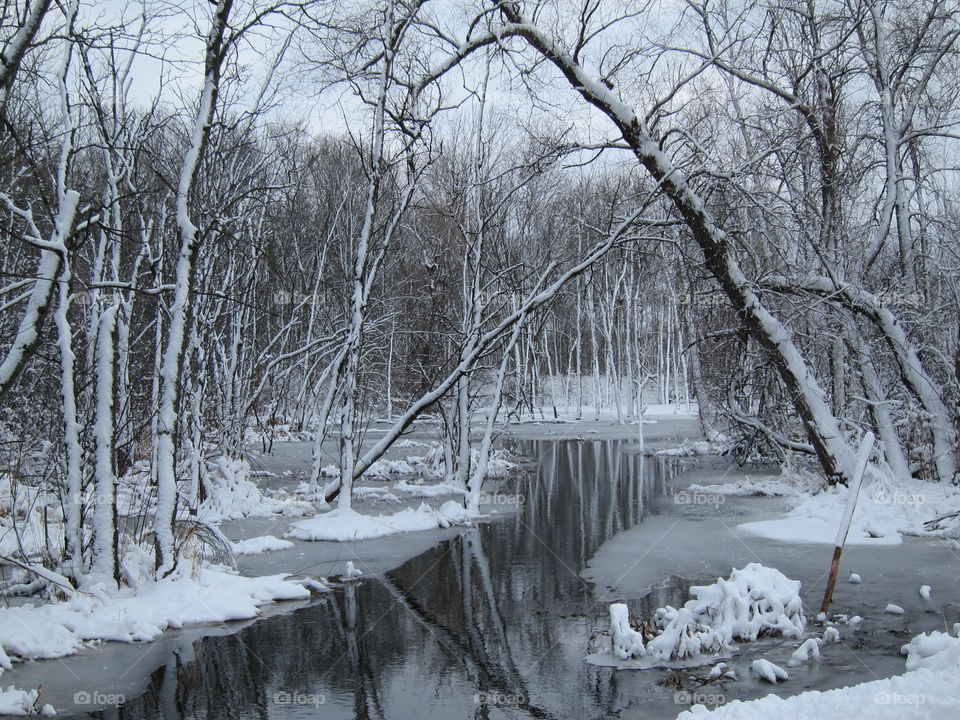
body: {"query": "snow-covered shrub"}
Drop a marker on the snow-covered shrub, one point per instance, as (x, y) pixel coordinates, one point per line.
(754, 601)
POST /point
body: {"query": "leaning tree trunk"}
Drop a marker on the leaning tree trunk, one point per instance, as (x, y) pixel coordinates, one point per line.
(820, 424)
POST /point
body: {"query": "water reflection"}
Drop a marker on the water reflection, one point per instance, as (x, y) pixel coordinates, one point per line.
(493, 623)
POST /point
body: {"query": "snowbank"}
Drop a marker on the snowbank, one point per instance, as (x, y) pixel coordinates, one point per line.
(692, 448)
(428, 466)
(884, 512)
(921, 694)
(414, 489)
(786, 485)
(341, 524)
(53, 630)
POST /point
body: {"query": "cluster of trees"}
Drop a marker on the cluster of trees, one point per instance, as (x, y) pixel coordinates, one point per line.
(525, 205)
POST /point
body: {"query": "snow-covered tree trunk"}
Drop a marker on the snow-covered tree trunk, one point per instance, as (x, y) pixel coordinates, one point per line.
(104, 567)
(720, 259)
(16, 46)
(170, 367)
(880, 411)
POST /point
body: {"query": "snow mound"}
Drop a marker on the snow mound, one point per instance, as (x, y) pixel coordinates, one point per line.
(753, 601)
(257, 545)
(627, 642)
(231, 495)
(341, 524)
(766, 670)
(934, 651)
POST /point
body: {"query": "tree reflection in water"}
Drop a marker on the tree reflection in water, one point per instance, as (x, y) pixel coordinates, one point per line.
(492, 623)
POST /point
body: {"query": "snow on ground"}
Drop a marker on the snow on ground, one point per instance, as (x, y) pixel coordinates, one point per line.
(415, 489)
(233, 495)
(787, 485)
(690, 448)
(141, 614)
(930, 689)
(345, 525)
(257, 545)
(27, 515)
(884, 512)
(58, 629)
(429, 466)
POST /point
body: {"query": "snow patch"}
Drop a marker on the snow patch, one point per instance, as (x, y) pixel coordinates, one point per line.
(342, 524)
(257, 545)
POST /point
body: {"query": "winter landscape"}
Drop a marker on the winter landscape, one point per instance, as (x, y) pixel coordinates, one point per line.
(480, 359)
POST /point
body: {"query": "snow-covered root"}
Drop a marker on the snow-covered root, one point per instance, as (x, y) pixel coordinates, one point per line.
(627, 643)
(809, 650)
(753, 601)
(766, 670)
(721, 671)
(831, 635)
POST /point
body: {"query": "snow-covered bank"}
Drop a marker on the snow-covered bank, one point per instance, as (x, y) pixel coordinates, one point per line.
(347, 525)
(188, 597)
(884, 513)
(53, 630)
(930, 689)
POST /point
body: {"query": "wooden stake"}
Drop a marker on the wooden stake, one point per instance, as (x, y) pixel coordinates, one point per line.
(863, 456)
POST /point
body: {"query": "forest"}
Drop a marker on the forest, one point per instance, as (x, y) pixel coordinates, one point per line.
(225, 224)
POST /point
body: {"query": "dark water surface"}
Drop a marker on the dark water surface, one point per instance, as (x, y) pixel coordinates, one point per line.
(493, 623)
(496, 621)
